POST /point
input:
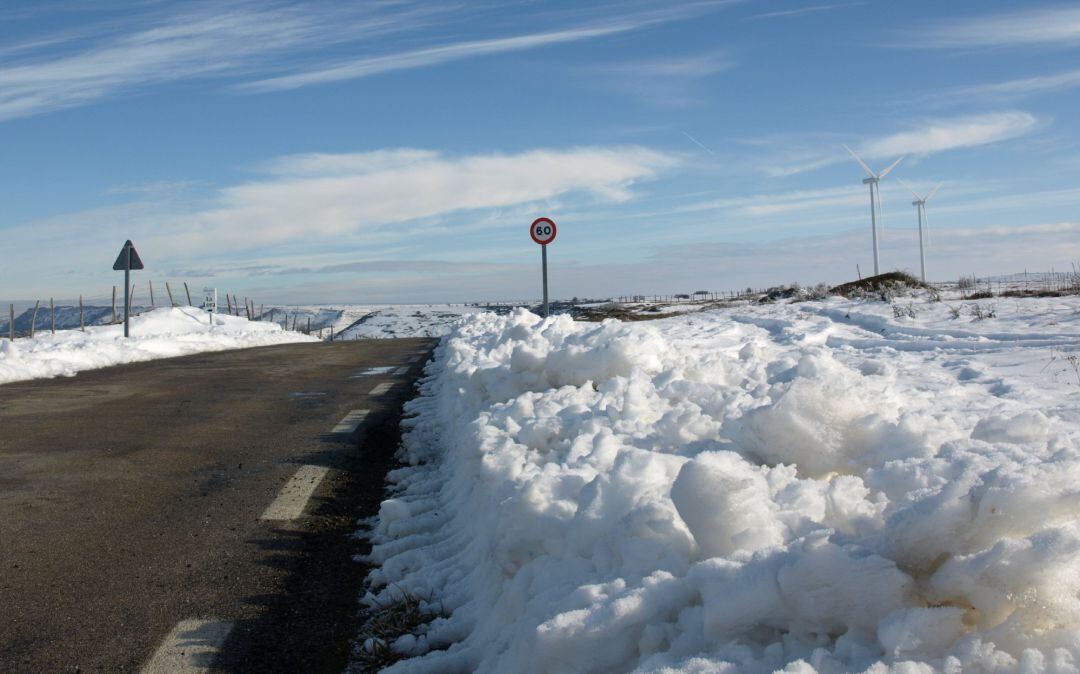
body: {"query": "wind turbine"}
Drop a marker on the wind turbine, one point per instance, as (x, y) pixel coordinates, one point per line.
(920, 208)
(872, 181)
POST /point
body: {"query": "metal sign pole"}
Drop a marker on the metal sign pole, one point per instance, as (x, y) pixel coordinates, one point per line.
(543, 257)
(127, 289)
(127, 261)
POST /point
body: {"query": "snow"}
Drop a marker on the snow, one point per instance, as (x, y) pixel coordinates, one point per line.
(161, 333)
(830, 486)
(375, 321)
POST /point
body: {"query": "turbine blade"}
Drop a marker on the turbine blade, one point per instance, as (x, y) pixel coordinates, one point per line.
(861, 162)
(891, 167)
(934, 191)
(909, 189)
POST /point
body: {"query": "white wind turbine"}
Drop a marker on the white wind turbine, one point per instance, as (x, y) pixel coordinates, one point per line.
(920, 208)
(875, 198)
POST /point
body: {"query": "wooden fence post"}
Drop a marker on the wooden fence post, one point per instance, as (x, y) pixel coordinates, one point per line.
(114, 304)
(188, 292)
(169, 291)
(33, 319)
(261, 312)
(52, 316)
(131, 301)
(228, 300)
(11, 326)
(82, 326)
(247, 309)
(309, 325)
(152, 305)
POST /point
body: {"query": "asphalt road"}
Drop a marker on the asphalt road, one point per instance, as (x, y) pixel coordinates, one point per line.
(134, 506)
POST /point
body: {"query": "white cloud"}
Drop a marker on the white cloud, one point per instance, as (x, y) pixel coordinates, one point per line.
(949, 134)
(327, 195)
(1011, 89)
(669, 82)
(214, 40)
(1058, 26)
(429, 56)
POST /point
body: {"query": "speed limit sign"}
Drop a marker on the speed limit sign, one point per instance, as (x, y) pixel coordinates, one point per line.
(542, 231)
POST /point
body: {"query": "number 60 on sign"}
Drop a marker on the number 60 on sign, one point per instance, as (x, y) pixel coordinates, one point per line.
(543, 231)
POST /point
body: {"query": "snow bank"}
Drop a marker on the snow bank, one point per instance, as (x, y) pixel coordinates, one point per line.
(780, 488)
(162, 333)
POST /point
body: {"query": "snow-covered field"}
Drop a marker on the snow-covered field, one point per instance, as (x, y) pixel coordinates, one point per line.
(161, 333)
(375, 321)
(822, 486)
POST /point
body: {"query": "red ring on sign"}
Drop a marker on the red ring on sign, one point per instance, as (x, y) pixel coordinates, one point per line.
(546, 221)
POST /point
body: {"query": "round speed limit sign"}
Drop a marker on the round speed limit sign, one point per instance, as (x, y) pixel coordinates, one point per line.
(542, 231)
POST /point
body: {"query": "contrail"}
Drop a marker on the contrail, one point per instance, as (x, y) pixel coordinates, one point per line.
(695, 141)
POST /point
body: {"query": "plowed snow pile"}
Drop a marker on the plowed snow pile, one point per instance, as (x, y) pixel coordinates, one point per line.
(161, 333)
(806, 487)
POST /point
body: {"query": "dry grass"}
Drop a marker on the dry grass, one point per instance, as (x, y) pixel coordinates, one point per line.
(382, 625)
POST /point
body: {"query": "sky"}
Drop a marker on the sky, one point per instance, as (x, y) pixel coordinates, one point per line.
(396, 151)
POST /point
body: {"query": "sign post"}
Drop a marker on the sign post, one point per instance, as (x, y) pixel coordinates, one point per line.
(543, 231)
(210, 302)
(127, 261)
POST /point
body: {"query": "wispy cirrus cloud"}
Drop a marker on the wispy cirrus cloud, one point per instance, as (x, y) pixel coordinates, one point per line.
(1017, 88)
(952, 133)
(923, 138)
(357, 68)
(802, 11)
(322, 195)
(264, 44)
(666, 82)
(1045, 26)
(214, 40)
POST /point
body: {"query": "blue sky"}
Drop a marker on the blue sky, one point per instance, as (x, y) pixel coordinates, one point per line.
(396, 151)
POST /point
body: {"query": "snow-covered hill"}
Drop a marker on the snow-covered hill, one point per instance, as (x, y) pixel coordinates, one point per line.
(161, 333)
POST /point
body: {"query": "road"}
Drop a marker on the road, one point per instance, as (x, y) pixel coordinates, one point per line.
(193, 514)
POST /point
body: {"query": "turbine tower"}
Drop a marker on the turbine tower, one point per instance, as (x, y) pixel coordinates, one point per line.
(920, 208)
(875, 199)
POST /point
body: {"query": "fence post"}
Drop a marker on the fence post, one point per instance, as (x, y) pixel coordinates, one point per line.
(114, 304)
(152, 305)
(169, 290)
(52, 316)
(11, 326)
(82, 326)
(33, 319)
(309, 325)
(228, 301)
(261, 311)
(188, 292)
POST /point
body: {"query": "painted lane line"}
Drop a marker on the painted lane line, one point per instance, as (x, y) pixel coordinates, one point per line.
(370, 371)
(190, 648)
(294, 496)
(404, 369)
(350, 423)
(382, 388)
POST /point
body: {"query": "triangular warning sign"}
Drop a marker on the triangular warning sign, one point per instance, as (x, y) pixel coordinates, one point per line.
(127, 254)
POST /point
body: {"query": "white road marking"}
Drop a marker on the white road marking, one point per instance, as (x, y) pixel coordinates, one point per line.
(401, 370)
(416, 358)
(382, 388)
(190, 648)
(294, 496)
(369, 371)
(350, 423)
